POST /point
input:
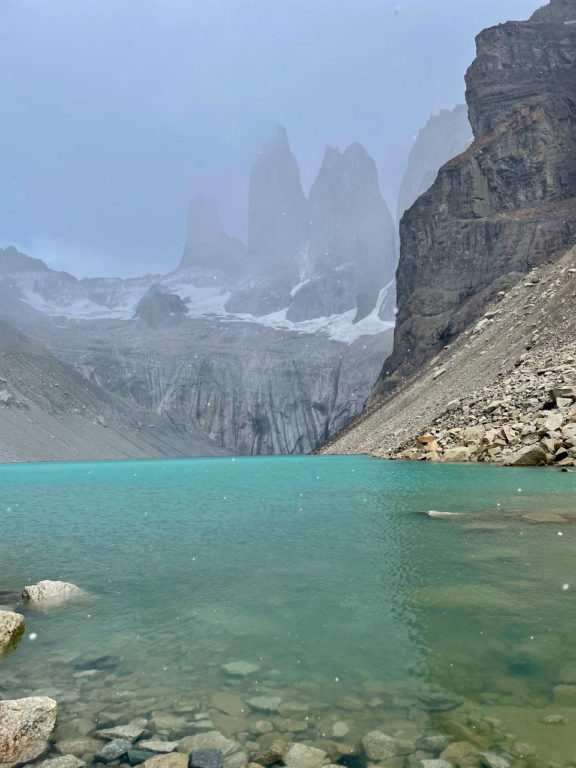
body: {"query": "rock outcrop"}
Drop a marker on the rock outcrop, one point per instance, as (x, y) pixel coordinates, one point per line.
(507, 203)
(352, 248)
(50, 590)
(12, 627)
(25, 728)
(11, 260)
(159, 309)
(444, 136)
(208, 247)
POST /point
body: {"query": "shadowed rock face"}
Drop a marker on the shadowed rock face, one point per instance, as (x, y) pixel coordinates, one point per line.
(352, 249)
(503, 206)
(11, 260)
(159, 309)
(444, 136)
(208, 246)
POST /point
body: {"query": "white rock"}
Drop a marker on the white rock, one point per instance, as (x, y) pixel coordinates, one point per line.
(25, 728)
(128, 732)
(436, 513)
(50, 590)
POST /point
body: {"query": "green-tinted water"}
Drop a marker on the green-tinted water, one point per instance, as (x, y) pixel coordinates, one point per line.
(324, 571)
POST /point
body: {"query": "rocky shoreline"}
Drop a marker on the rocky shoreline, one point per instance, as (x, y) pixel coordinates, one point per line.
(527, 419)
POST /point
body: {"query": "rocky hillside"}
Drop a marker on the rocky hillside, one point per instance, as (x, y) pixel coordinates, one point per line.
(505, 205)
(504, 391)
(49, 412)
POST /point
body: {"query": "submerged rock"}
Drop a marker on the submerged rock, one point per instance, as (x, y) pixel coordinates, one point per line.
(304, 756)
(240, 668)
(129, 732)
(265, 703)
(157, 745)
(113, 750)
(213, 740)
(50, 590)
(25, 729)
(172, 760)
(206, 758)
(379, 746)
(65, 761)
(12, 626)
(435, 513)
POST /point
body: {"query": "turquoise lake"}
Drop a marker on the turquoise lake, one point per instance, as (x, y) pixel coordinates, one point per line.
(326, 573)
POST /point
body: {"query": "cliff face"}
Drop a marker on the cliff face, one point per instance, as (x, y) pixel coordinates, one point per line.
(503, 206)
(208, 246)
(352, 248)
(444, 136)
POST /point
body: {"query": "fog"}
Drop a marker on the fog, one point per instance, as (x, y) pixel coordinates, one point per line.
(116, 113)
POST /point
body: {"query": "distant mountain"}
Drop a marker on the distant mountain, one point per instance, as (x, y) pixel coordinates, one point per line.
(444, 136)
(11, 260)
(208, 247)
(352, 246)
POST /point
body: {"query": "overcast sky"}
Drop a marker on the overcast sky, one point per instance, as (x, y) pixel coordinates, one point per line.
(114, 113)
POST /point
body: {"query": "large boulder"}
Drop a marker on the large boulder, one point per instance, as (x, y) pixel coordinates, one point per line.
(25, 728)
(12, 627)
(50, 590)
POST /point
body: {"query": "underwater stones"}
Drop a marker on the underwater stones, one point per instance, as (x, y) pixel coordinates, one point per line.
(210, 740)
(262, 726)
(237, 760)
(129, 732)
(304, 756)
(340, 729)
(265, 703)
(12, 627)
(157, 745)
(137, 756)
(379, 746)
(113, 750)
(229, 703)
(50, 590)
(462, 754)
(172, 760)
(65, 761)
(78, 746)
(206, 758)
(437, 763)
(25, 728)
(272, 749)
(434, 742)
(554, 720)
(492, 760)
(240, 668)
(166, 722)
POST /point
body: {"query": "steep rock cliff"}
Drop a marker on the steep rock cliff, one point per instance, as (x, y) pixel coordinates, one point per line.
(352, 247)
(444, 136)
(503, 206)
(208, 246)
(249, 388)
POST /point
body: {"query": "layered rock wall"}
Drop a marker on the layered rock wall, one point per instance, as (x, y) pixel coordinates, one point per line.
(507, 203)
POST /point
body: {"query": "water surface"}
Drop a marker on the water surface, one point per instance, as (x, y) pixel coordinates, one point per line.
(324, 571)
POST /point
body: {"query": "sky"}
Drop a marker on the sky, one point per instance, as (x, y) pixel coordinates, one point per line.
(116, 113)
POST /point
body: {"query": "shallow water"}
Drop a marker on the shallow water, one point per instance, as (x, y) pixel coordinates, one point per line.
(324, 571)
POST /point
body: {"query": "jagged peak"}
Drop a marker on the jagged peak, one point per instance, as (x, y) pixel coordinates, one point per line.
(559, 11)
(12, 260)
